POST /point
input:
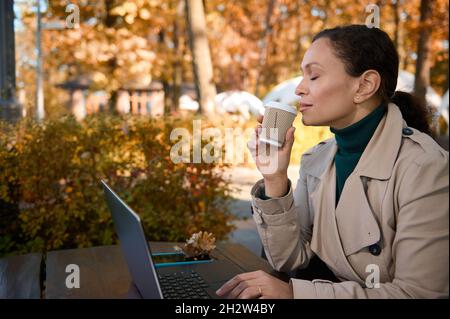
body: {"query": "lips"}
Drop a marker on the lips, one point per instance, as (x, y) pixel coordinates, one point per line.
(304, 106)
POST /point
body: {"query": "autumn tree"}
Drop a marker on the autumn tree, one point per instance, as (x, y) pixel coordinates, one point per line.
(201, 57)
(9, 110)
(253, 44)
(422, 78)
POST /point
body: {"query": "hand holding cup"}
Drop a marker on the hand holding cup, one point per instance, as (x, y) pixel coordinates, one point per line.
(271, 146)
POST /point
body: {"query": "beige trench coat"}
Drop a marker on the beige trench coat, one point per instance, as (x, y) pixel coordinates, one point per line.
(396, 197)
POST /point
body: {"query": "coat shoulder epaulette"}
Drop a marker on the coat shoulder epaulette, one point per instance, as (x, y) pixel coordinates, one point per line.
(426, 145)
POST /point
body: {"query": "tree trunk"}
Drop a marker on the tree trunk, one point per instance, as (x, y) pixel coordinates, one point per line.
(395, 8)
(298, 29)
(422, 79)
(264, 44)
(110, 21)
(9, 109)
(201, 57)
(166, 86)
(177, 68)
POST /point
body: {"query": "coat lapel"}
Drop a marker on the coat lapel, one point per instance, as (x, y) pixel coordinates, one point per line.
(323, 241)
(326, 240)
(355, 219)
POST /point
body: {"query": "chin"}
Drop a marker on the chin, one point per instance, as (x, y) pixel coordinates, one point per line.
(311, 122)
(305, 122)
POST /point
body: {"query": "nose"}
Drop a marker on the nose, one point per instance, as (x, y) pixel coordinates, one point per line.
(301, 90)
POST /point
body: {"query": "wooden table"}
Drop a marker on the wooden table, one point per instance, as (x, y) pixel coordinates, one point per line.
(20, 277)
(103, 271)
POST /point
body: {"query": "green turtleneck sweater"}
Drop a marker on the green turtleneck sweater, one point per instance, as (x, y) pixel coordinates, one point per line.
(352, 141)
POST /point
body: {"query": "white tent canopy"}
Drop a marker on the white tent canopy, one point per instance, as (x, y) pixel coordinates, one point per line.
(187, 103)
(285, 91)
(236, 102)
(405, 83)
(240, 102)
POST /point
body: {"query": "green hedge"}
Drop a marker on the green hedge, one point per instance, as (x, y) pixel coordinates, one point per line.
(51, 198)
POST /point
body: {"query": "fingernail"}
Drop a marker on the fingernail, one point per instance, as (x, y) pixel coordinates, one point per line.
(218, 291)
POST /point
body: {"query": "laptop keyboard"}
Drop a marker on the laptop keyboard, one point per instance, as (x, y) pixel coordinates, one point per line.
(183, 285)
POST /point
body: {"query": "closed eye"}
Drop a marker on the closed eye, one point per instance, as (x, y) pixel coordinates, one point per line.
(314, 78)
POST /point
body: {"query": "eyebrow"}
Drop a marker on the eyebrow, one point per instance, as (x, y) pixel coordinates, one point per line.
(310, 64)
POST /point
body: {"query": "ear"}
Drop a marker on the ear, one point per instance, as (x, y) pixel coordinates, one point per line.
(369, 83)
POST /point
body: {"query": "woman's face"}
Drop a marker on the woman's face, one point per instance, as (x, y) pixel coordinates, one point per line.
(327, 92)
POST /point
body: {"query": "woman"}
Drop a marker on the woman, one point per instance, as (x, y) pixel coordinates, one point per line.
(371, 203)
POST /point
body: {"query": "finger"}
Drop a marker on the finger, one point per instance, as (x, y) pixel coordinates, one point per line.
(263, 154)
(290, 138)
(257, 134)
(267, 157)
(251, 292)
(258, 130)
(251, 144)
(260, 118)
(243, 285)
(254, 146)
(233, 282)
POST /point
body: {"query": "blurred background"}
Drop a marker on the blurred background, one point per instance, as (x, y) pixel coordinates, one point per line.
(93, 89)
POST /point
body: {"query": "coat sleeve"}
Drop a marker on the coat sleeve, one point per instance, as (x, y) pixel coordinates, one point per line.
(420, 247)
(284, 226)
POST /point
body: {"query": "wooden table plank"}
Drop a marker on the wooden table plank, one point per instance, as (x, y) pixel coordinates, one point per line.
(104, 273)
(246, 260)
(20, 277)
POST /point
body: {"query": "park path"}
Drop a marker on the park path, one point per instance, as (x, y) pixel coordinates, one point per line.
(244, 178)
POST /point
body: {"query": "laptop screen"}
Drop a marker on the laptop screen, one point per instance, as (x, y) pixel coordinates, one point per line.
(134, 245)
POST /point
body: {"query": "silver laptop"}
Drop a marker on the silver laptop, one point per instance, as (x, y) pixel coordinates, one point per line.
(195, 281)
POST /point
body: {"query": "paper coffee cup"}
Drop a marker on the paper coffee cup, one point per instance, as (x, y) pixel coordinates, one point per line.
(278, 118)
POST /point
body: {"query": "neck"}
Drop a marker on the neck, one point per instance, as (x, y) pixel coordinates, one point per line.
(354, 138)
(362, 110)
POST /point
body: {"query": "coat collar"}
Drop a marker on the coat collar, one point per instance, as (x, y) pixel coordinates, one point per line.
(378, 159)
(380, 155)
